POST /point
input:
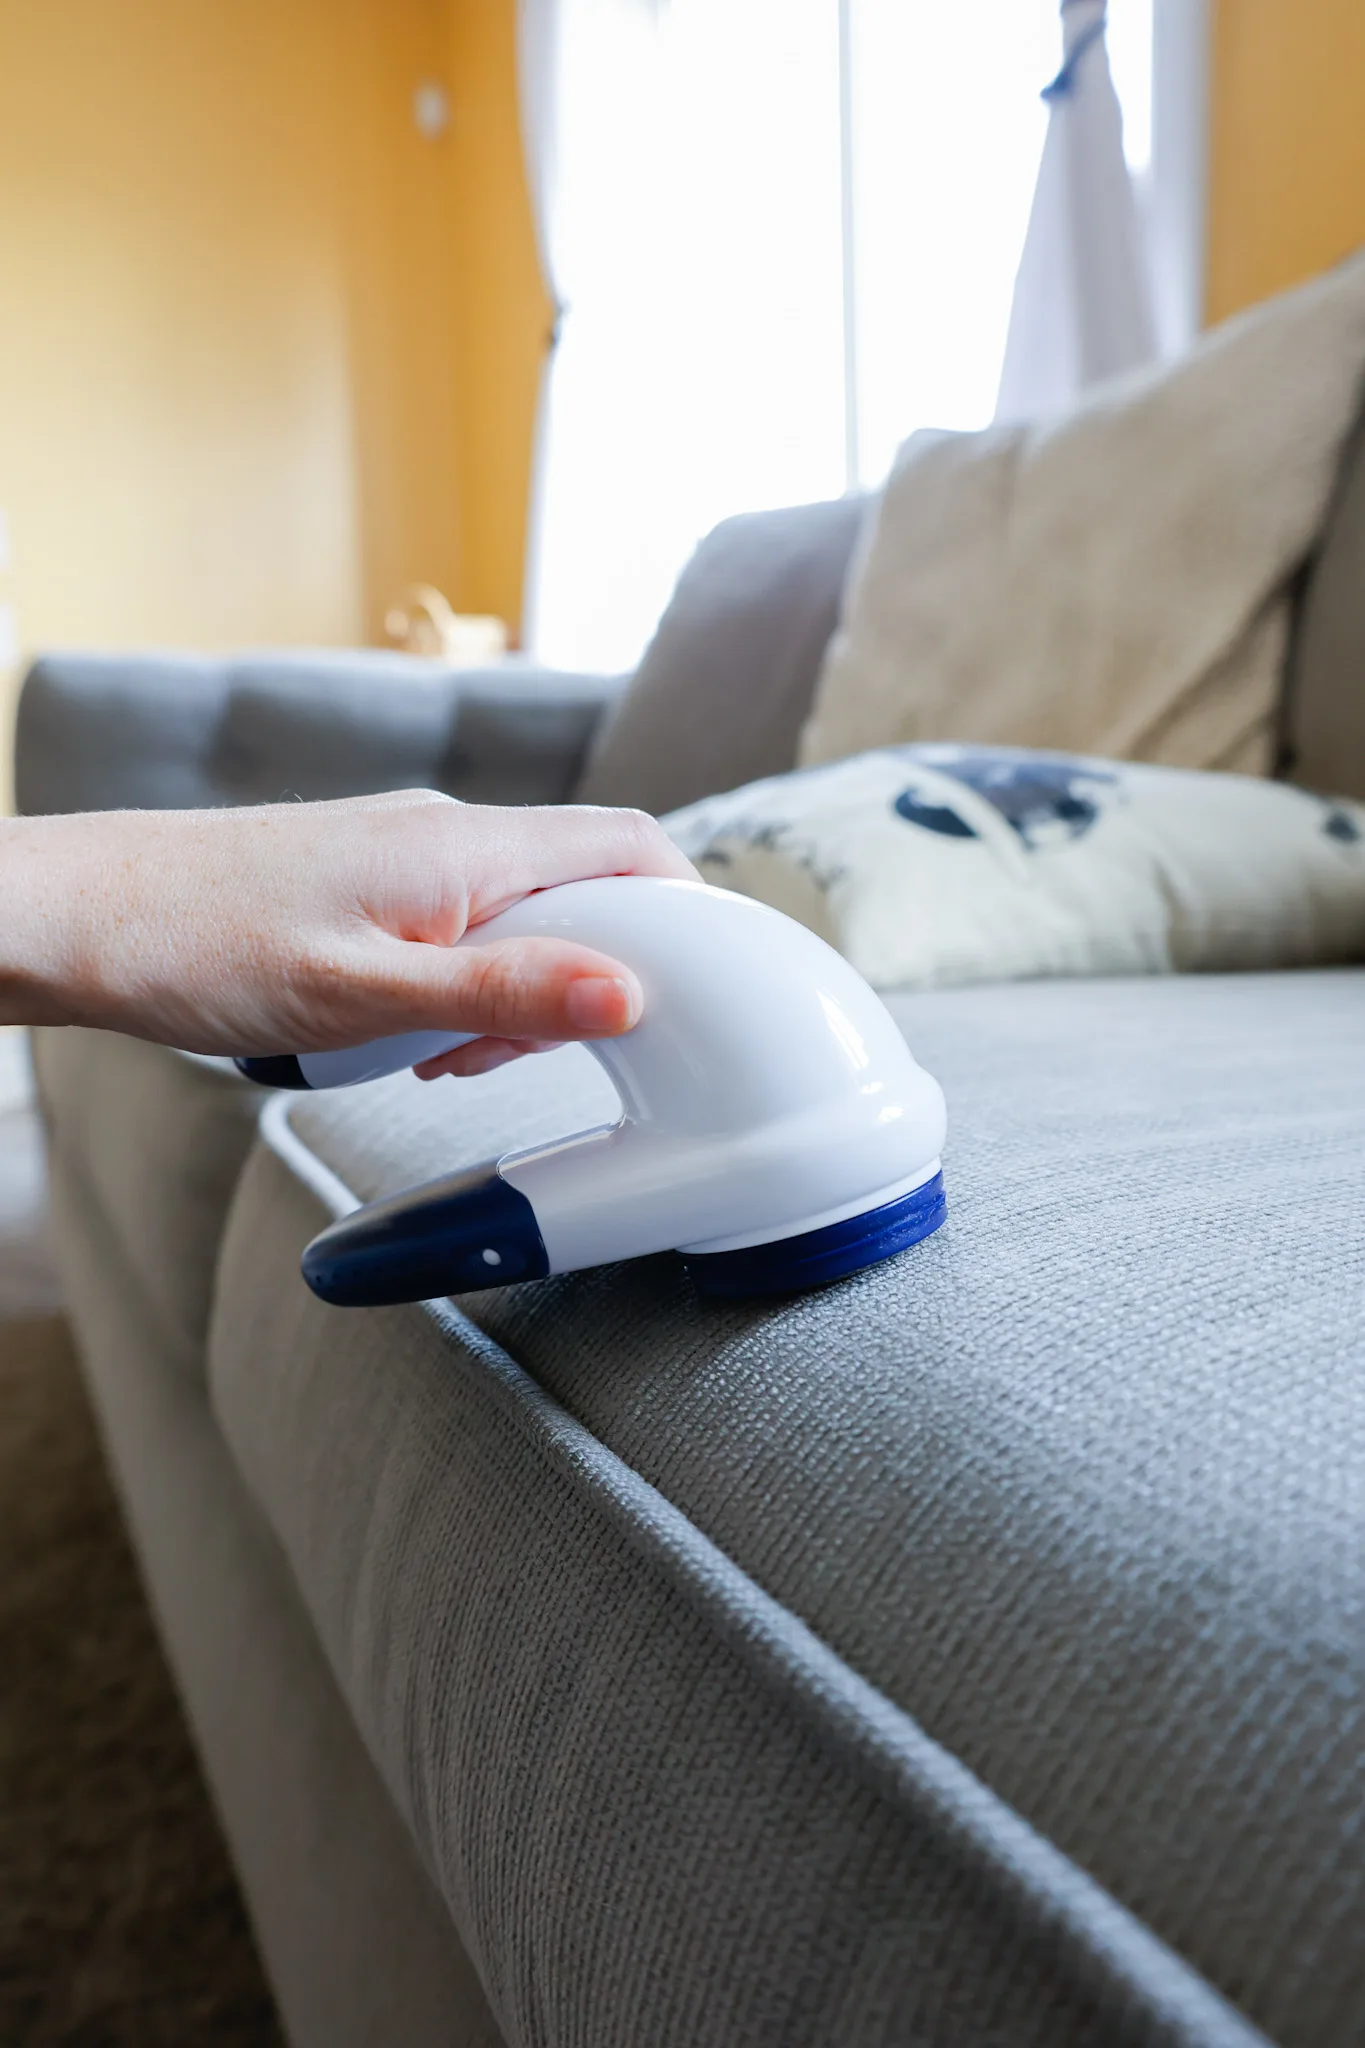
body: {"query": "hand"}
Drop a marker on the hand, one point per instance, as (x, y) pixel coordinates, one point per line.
(304, 927)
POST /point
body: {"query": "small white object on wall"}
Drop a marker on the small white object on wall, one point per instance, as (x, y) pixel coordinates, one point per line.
(431, 109)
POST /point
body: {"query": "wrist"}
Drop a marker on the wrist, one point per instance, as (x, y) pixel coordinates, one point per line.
(38, 894)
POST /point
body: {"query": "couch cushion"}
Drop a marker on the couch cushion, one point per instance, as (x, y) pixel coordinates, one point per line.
(1120, 579)
(1323, 724)
(724, 686)
(907, 1661)
(78, 714)
(156, 1140)
(322, 725)
(100, 732)
(936, 866)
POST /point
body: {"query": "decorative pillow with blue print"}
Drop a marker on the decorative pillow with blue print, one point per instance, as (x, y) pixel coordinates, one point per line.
(929, 866)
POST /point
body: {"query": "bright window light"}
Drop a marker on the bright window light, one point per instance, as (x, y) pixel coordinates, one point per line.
(1128, 35)
(947, 130)
(746, 216)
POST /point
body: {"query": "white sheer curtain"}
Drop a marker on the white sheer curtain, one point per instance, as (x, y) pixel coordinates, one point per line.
(1082, 307)
(784, 234)
(538, 87)
(688, 196)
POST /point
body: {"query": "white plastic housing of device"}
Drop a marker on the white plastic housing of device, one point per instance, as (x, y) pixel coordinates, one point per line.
(765, 1092)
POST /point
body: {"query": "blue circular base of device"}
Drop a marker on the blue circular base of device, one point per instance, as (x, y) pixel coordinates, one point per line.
(813, 1259)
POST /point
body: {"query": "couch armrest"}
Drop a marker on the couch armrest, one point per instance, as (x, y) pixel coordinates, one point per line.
(102, 732)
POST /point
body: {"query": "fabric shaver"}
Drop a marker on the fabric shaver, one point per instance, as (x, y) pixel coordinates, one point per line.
(774, 1129)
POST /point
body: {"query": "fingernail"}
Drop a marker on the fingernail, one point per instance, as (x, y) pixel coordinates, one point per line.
(601, 1003)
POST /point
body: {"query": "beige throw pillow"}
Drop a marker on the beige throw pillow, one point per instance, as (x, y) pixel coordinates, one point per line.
(939, 865)
(1113, 582)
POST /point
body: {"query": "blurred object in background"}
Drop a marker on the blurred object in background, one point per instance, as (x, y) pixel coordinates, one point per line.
(1082, 307)
(426, 623)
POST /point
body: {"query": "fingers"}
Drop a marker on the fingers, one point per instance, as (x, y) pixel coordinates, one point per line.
(538, 848)
(483, 1056)
(522, 989)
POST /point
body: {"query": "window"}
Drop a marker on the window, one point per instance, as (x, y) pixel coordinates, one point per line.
(786, 232)
(947, 126)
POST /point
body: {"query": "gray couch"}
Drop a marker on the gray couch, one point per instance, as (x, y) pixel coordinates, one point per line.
(971, 1653)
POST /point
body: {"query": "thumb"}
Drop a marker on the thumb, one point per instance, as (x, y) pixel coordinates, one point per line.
(527, 988)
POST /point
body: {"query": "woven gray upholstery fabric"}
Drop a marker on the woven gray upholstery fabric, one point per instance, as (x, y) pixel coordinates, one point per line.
(101, 732)
(724, 687)
(357, 1941)
(159, 1140)
(1073, 1491)
(105, 733)
(659, 1809)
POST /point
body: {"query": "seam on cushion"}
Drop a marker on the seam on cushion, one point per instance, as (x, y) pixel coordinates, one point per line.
(1111, 1951)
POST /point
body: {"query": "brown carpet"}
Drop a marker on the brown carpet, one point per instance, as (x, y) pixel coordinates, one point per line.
(120, 1921)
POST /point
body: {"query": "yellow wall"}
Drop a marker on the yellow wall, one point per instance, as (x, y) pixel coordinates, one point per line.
(226, 357)
(1287, 153)
(261, 342)
(227, 348)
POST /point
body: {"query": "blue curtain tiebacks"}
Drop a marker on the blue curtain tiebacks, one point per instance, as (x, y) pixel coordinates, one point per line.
(1064, 84)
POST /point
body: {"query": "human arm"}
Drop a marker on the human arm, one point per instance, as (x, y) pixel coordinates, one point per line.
(303, 927)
